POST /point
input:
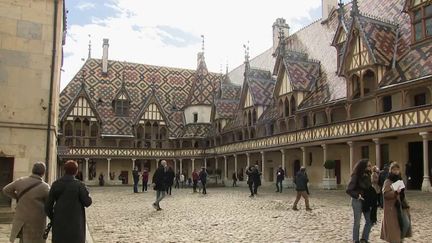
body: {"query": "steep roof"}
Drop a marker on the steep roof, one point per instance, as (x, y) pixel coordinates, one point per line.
(261, 86)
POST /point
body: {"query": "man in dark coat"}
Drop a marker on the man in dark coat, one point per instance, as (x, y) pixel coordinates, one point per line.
(135, 176)
(170, 180)
(301, 180)
(159, 181)
(256, 175)
(280, 176)
(203, 178)
(250, 181)
(66, 205)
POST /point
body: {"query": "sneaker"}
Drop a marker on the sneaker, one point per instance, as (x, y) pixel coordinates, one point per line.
(308, 209)
(155, 206)
(159, 209)
(251, 195)
(295, 208)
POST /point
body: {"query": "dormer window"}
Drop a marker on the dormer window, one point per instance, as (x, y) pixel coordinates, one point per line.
(195, 117)
(421, 18)
(121, 107)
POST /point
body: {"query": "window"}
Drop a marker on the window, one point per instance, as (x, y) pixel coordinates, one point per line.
(305, 121)
(386, 103)
(365, 152)
(195, 117)
(421, 20)
(121, 107)
(420, 99)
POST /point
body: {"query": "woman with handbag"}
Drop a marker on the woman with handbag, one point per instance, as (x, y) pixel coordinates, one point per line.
(66, 205)
(396, 223)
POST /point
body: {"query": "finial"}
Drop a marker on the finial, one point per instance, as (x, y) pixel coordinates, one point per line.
(202, 45)
(89, 47)
(246, 50)
(354, 8)
(152, 86)
(83, 75)
(226, 68)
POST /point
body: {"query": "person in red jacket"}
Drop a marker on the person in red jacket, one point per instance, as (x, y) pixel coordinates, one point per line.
(145, 176)
(195, 178)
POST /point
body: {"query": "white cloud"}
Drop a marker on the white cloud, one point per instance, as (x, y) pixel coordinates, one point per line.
(226, 25)
(85, 6)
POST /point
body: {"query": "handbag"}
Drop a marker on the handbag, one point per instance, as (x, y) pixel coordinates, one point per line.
(47, 230)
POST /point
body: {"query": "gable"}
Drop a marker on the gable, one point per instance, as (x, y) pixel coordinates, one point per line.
(342, 37)
(151, 113)
(82, 108)
(285, 86)
(359, 55)
(248, 100)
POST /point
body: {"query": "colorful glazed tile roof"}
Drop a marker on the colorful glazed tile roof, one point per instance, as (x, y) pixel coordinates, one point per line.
(197, 130)
(226, 109)
(261, 86)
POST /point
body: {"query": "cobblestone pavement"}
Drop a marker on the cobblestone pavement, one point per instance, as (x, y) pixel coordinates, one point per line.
(229, 215)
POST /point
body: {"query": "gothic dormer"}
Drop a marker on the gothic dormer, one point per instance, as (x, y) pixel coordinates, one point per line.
(121, 102)
(420, 12)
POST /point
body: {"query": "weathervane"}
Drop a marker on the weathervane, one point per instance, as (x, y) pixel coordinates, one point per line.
(202, 45)
(246, 50)
(89, 47)
(354, 8)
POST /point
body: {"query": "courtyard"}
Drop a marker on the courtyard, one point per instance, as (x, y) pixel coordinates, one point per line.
(229, 215)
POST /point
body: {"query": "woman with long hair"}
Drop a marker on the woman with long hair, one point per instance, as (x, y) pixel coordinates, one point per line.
(396, 223)
(359, 189)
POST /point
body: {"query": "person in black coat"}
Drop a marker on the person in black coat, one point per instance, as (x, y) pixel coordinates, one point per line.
(256, 177)
(159, 181)
(250, 180)
(66, 205)
(280, 176)
(301, 180)
(170, 175)
(135, 176)
(203, 177)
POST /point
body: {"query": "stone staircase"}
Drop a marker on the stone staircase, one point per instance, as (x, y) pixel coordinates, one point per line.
(6, 215)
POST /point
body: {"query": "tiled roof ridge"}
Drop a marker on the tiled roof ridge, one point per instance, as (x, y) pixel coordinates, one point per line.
(379, 20)
(305, 27)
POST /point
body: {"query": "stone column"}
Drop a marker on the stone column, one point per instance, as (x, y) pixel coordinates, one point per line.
(133, 164)
(193, 165)
(324, 147)
(108, 169)
(351, 155)
(248, 159)
(263, 165)
(283, 160)
(175, 166)
(303, 149)
(426, 185)
(181, 165)
(377, 152)
(235, 164)
(225, 168)
(216, 163)
(86, 169)
(205, 163)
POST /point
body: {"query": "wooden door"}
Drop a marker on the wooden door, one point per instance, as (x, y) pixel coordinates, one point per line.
(6, 176)
(338, 171)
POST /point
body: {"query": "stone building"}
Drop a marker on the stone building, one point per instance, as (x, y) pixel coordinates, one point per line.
(355, 84)
(31, 40)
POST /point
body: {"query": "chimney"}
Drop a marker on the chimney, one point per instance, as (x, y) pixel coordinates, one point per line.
(327, 6)
(105, 56)
(279, 26)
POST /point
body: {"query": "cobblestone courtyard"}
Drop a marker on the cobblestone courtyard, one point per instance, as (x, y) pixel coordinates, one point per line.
(229, 215)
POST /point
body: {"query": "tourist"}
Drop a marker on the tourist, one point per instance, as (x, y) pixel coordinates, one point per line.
(250, 180)
(195, 178)
(66, 205)
(234, 178)
(280, 176)
(301, 180)
(256, 179)
(101, 180)
(135, 176)
(182, 180)
(170, 180)
(382, 177)
(159, 181)
(145, 176)
(203, 178)
(377, 188)
(396, 224)
(177, 180)
(31, 193)
(408, 168)
(357, 188)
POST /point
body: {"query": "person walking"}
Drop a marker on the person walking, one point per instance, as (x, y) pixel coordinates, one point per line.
(177, 180)
(234, 178)
(195, 178)
(31, 194)
(301, 180)
(280, 176)
(396, 224)
(377, 188)
(256, 179)
(382, 177)
(250, 180)
(135, 176)
(358, 187)
(159, 181)
(66, 205)
(203, 178)
(145, 176)
(170, 180)
(182, 180)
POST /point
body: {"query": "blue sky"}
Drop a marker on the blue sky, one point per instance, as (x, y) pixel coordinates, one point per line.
(167, 32)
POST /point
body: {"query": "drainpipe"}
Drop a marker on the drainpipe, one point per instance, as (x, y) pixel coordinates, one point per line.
(54, 51)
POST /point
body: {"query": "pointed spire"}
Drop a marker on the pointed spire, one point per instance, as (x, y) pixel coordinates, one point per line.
(354, 8)
(202, 45)
(226, 69)
(341, 16)
(89, 47)
(83, 75)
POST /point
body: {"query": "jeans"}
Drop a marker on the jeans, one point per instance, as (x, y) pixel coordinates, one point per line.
(159, 196)
(251, 188)
(204, 188)
(357, 209)
(195, 182)
(145, 185)
(279, 186)
(135, 187)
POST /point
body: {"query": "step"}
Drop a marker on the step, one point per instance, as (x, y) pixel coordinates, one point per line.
(6, 217)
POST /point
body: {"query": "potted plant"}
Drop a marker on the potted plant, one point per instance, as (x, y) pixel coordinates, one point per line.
(329, 182)
(329, 165)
